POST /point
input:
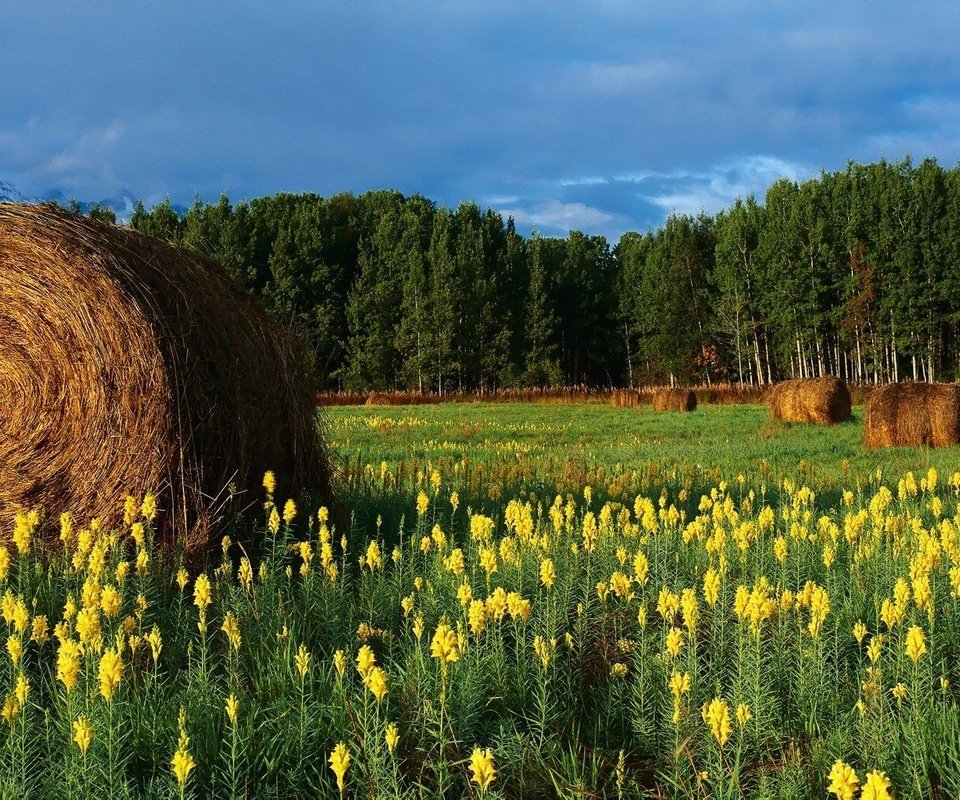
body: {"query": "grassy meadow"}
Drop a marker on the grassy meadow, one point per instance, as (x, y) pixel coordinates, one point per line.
(516, 601)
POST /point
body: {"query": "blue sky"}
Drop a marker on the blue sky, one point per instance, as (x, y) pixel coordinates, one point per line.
(600, 116)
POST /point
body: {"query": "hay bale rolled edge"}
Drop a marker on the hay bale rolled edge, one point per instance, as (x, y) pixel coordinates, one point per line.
(823, 401)
(131, 366)
(674, 399)
(913, 414)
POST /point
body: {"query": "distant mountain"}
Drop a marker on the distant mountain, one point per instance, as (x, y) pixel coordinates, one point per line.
(9, 193)
(122, 203)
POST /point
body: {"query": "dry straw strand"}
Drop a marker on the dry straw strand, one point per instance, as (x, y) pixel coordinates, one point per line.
(129, 366)
(823, 401)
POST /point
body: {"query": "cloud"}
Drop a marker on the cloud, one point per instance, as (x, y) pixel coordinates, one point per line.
(555, 215)
(613, 79)
(593, 180)
(687, 192)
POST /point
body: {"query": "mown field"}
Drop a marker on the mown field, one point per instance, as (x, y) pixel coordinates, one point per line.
(515, 601)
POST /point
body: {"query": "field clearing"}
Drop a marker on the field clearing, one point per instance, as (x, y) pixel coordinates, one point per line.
(715, 442)
(518, 601)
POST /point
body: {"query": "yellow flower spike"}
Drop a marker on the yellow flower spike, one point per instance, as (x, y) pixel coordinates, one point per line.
(202, 592)
(270, 483)
(82, 734)
(423, 503)
(156, 643)
(289, 512)
(302, 661)
(464, 595)
(339, 763)
(445, 644)
(182, 579)
(340, 663)
(373, 559)
(548, 573)
(365, 660)
(744, 714)
(110, 673)
(232, 629)
(15, 649)
(916, 644)
(859, 632)
(182, 765)
(110, 601)
(542, 650)
(40, 632)
(376, 682)
(68, 664)
(876, 787)
(24, 525)
(619, 670)
(674, 642)
(22, 690)
(11, 710)
(149, 507)
(716, 715)
(273, 521)
(391, 736)
(232, 707)
(899, 692)
(483, 769)
(843, 781)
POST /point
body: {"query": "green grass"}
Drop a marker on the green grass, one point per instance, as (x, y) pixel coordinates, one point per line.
(450, 513)
(715, 442)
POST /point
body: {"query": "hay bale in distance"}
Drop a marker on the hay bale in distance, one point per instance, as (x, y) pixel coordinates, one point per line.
(378, 399)
(674, 400)
(913, 415)
(624, 398)
(823, 401)
(128, 365)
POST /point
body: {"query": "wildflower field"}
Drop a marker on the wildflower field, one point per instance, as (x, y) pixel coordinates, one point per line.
(520, 601)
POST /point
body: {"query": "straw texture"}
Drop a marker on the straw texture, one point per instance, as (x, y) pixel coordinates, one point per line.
(823, 401)
(127, 366)
(913, 415)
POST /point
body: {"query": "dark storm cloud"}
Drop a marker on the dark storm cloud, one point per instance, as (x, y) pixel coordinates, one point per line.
(602, 116)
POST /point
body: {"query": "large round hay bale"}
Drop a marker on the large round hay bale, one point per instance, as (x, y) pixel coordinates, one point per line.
(674, 400)
(624, 398)
(913, 415)
(130, 366)
(823, 401)
(377, 399)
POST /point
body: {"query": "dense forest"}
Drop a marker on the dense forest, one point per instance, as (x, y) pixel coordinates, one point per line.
(854, 273)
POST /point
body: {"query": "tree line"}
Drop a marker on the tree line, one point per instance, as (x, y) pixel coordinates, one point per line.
(854, 273)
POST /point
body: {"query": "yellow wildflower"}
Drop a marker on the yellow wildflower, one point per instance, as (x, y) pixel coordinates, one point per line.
(376, 682)
(674, 642)
(232, 707)
(365, 660)
(15, 649)
(232, 629)
(423, 503)
(302, 661)
(339, 763)
(876, 787)
(482, 767)
(916, 644)
(392, 736)
(843, 781)
(445, 644)
(149, 507)
(111, 672)
(269, 482)
(716, 714)
(82, 734)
